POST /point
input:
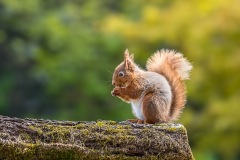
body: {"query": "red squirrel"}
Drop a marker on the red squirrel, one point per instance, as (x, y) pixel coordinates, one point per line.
(158, 94)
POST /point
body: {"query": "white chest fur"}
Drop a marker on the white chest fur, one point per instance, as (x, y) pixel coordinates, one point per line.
(137, 108)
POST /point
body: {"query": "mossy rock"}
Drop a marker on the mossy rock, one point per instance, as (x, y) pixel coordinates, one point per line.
(50, 139)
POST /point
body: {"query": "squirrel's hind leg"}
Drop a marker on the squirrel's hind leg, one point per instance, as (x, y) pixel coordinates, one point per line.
(154, 109)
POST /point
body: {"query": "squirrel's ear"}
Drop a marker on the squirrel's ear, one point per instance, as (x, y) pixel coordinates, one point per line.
(129, 65)
(128, 61)
(128, 56)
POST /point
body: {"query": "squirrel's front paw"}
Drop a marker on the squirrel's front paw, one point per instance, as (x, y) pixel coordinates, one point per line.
(115, 92)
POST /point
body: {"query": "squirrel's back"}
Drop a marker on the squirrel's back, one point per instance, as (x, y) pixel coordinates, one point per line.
(175, 68)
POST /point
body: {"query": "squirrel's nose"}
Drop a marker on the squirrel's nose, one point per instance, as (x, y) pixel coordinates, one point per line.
(113, 83)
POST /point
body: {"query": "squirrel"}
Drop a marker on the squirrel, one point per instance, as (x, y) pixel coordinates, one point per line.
(158, 94)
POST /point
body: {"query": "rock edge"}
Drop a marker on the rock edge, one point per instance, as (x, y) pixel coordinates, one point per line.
(51, 139)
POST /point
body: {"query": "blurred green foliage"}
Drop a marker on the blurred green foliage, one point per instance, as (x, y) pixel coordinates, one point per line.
(57, 58)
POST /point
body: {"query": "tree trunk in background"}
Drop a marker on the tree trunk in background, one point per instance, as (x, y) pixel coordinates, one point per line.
(50, 139)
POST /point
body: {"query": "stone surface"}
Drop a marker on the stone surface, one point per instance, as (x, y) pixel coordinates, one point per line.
(51, 139)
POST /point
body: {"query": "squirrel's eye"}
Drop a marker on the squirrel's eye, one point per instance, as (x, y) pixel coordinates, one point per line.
(121, 74)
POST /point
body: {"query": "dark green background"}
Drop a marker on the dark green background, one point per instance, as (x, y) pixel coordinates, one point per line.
(57, 58)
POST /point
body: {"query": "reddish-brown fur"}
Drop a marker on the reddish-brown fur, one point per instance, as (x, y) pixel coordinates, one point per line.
(152, 113)
(170, 63)
(130, 87)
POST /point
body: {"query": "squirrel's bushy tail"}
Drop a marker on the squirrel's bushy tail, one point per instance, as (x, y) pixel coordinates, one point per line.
(176, 69)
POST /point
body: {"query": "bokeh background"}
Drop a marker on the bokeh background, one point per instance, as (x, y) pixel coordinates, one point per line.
(57, 58)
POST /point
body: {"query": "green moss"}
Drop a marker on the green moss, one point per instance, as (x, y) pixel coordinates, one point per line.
(25, 138)
(85, 132)
(80, 126)
(37, 129)
(100, 123)
(4, 136)
(171, 127)
(107, 122)
(94, 140)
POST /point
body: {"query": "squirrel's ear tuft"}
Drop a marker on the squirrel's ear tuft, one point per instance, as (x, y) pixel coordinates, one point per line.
(128, 56)
(128, 61)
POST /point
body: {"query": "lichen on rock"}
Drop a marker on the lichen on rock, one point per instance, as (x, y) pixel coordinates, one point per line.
(50, 139)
